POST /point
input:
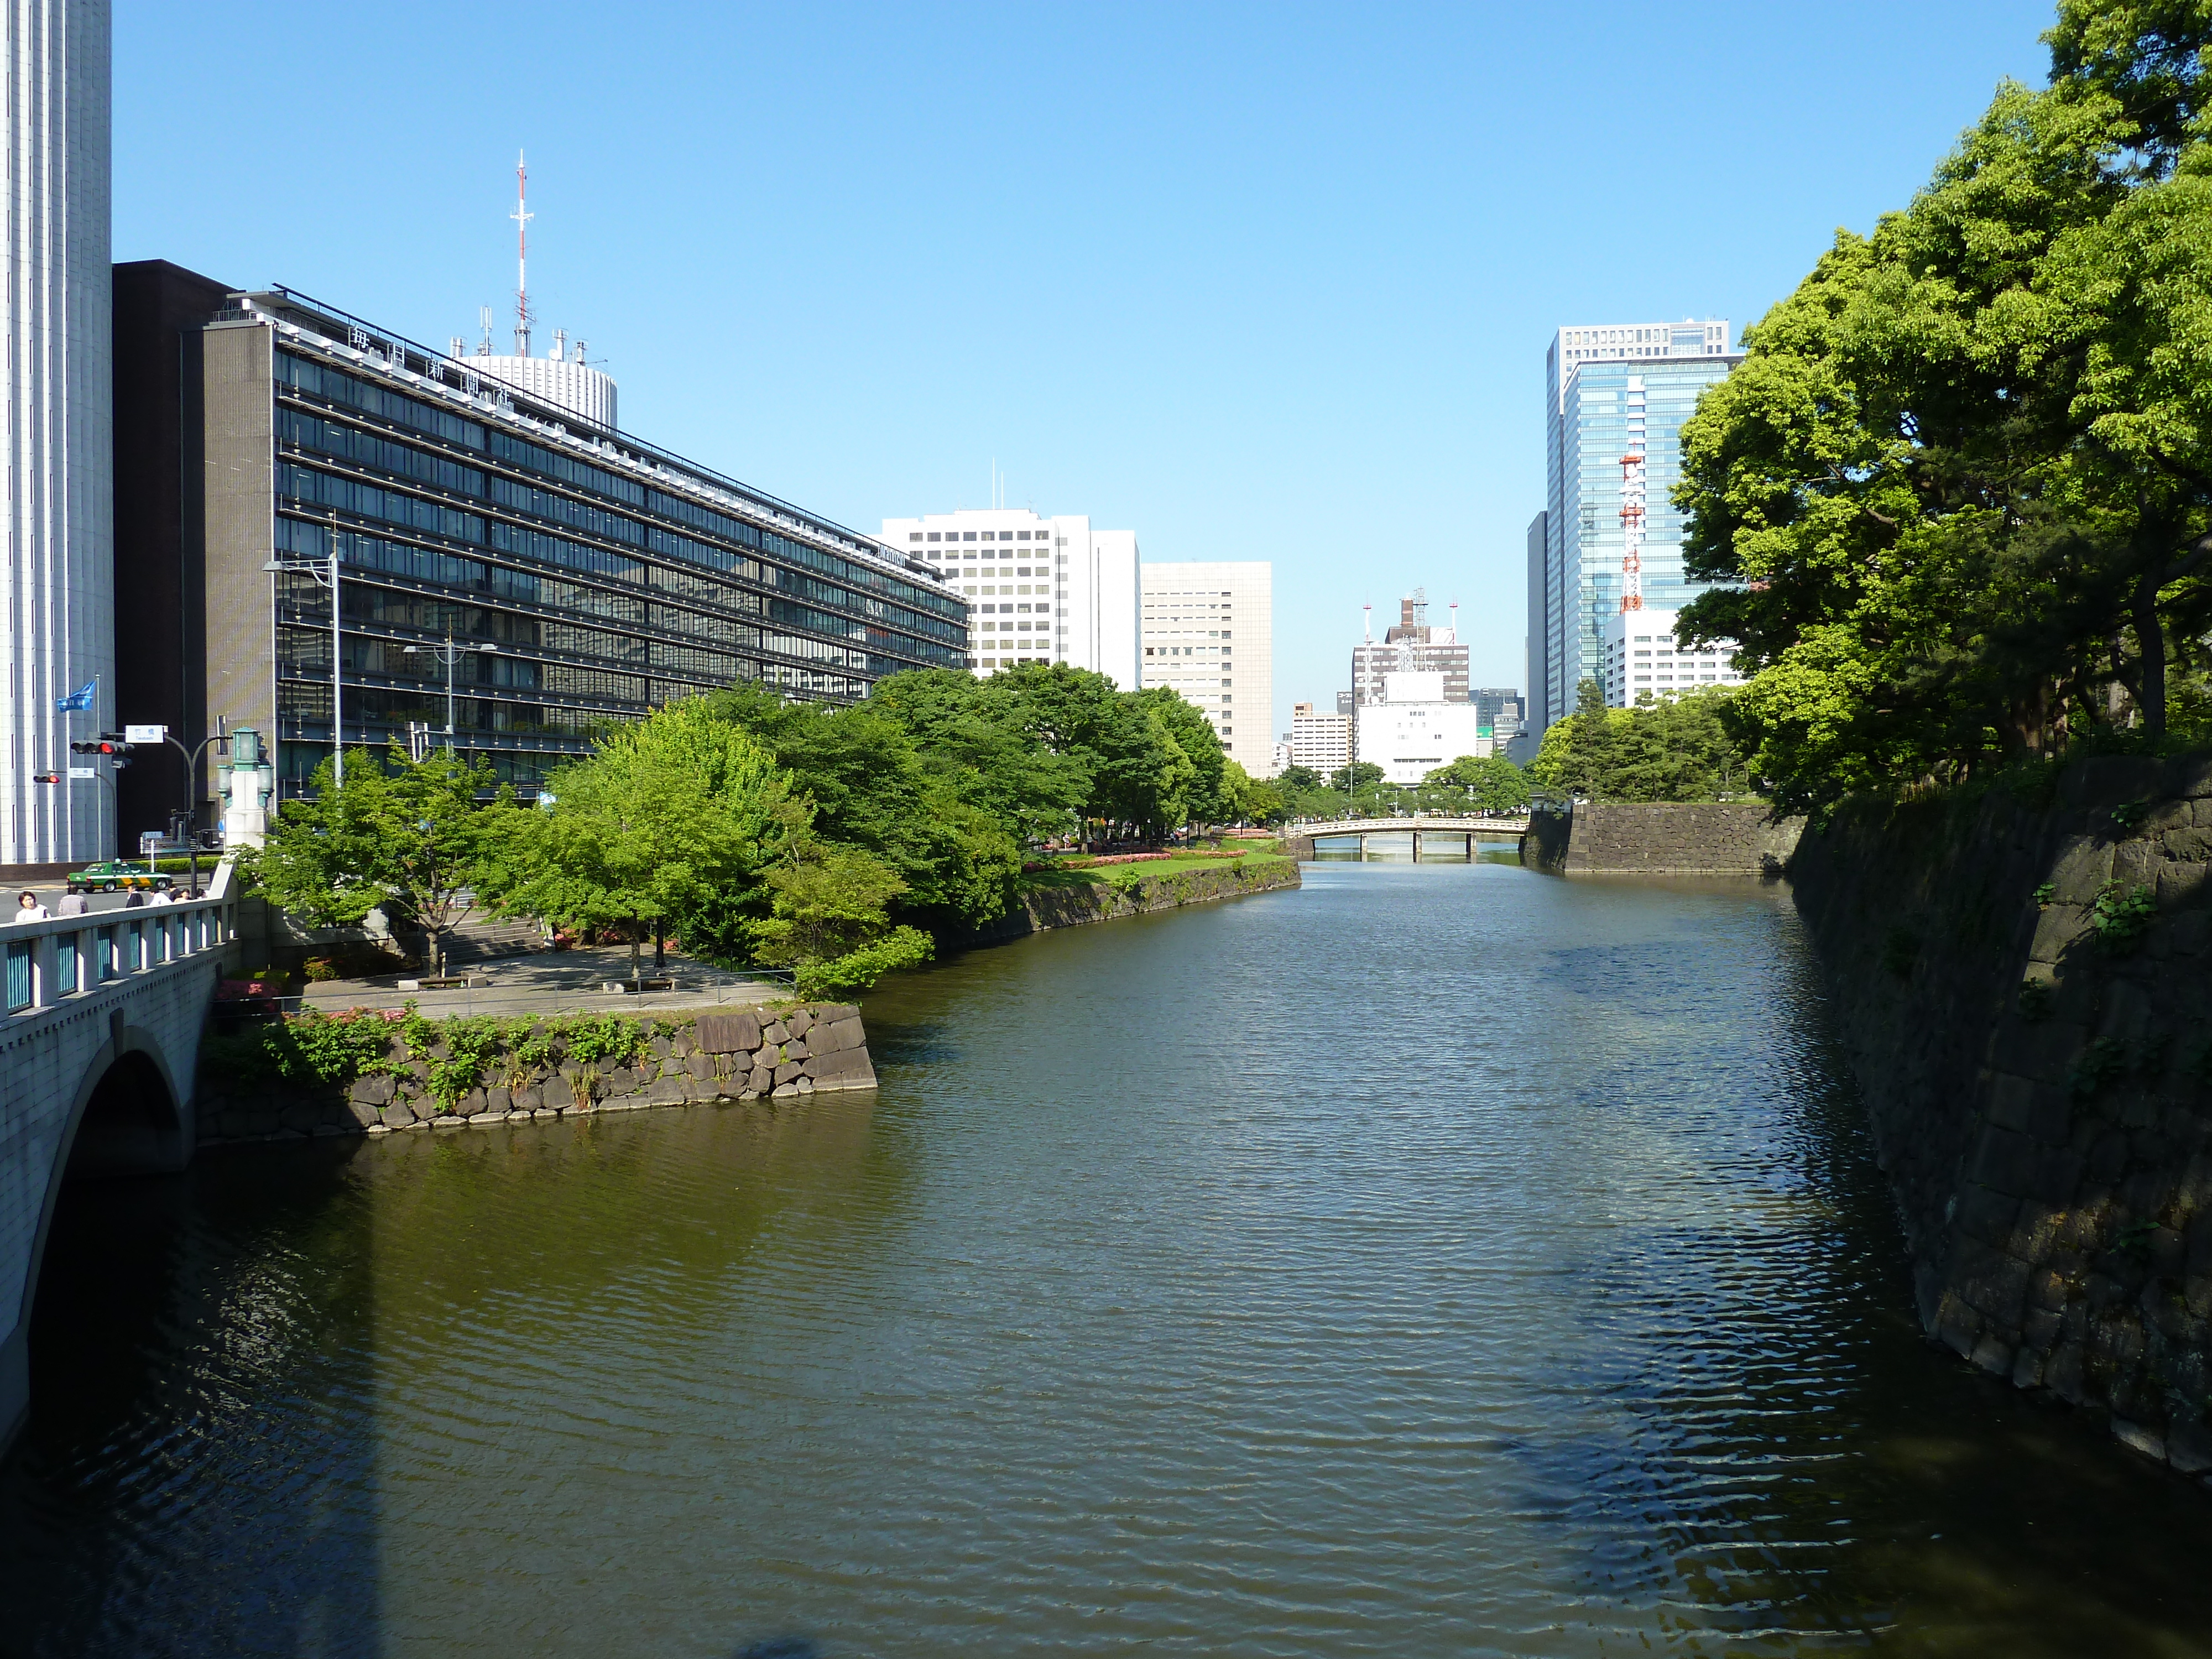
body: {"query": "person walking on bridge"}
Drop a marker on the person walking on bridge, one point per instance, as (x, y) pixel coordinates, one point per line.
(27, 909)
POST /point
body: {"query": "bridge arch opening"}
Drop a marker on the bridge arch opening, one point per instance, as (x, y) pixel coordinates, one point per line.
(131, 1124)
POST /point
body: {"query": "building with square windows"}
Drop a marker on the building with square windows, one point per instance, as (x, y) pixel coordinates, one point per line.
(561, 577)
(1411, 644)
(1321, 741)
(1610, 391)
(1412, 729)
(1209, 629)
(1642, 660)
(1038, 590)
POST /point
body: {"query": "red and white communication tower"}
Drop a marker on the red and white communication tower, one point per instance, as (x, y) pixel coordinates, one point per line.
(522, 215)
(1631, 530)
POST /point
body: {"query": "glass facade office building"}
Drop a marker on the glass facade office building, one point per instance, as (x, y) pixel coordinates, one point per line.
(1610, 389)
(582, 577)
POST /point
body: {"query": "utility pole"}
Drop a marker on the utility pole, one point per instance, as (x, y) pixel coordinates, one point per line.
(298, 566)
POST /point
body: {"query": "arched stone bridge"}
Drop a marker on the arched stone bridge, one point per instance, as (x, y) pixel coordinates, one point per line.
(98, 1045)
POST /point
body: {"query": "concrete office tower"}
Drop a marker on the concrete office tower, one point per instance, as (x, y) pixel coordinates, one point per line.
(1209, 634)
(1321, 741)
(1641, 661)
(581, 578)
(1411, 644)
(1610, 392)
(1039, 590)
(58, 520)
(1411, 730)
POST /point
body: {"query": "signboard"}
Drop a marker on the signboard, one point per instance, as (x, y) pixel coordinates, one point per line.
(84, 772)
(144, 733)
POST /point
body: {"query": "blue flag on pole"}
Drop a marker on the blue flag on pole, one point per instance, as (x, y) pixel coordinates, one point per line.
(79, 700)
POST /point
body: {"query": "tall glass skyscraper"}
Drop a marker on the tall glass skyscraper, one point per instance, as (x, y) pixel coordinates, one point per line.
(1610, 391)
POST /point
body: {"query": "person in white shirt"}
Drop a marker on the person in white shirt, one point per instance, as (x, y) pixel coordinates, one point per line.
(27, 909)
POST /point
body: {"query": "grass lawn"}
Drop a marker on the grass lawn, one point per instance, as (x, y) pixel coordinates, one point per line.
(1125, 875)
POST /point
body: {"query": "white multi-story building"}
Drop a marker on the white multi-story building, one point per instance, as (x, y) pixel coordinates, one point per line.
(1321, 741)
(1209, 632)
(1413, 730)
(1039, 590)
(1642, 659)
(56, 326)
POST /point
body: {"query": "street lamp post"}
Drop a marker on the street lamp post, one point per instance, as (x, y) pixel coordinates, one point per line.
(448, 654)
(313, 567)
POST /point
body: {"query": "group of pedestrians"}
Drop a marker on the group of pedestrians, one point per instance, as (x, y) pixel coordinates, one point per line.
(29, 907)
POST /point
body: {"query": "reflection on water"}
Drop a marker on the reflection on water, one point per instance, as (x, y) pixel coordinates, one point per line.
(1435, 1260)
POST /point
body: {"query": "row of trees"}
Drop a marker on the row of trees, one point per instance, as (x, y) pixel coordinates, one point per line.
(835, 841)
(1490, 784)
(1960, 488)
(1676, 748)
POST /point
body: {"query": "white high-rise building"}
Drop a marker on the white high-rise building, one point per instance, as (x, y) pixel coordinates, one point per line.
(1412, 730)
(59, 521)
(1209, 632)
(1039, 590)
(1641, 659)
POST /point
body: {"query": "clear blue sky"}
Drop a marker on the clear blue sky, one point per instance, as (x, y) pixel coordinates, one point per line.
(1259, 282)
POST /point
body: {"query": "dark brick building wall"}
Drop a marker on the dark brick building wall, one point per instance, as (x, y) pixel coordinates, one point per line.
(160, 623)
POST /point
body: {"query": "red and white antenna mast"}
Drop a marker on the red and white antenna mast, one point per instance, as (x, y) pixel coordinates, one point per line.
(522, 217)
(1631, 530)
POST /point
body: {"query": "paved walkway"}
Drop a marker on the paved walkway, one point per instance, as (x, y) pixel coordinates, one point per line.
(553, 981)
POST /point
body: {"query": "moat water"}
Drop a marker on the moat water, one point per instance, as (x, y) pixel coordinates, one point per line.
(1437, 1259)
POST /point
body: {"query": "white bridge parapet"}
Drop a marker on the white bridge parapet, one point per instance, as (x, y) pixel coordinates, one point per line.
(98, 1046)
(1474, 824)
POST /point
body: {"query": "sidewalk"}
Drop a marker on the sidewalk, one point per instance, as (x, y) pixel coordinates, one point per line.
(553, 981)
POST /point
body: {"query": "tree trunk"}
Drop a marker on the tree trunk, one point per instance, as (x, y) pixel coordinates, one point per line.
(2150, 644)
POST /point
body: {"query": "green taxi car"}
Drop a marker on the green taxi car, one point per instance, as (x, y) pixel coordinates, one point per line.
(109, 874)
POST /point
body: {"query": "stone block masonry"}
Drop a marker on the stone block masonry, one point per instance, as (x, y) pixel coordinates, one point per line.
(2024, 989)
(1617, 838)
(780, 1055)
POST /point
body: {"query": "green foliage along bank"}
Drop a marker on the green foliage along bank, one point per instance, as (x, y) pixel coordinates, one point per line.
(1674, 749)
(1960, 489)
(835, 842)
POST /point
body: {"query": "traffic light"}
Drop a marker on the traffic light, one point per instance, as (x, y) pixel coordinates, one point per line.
(45, 777)
(104, 746)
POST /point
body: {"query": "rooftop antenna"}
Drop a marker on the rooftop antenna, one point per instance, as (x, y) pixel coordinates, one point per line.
(1455, 622)
(483, 317)
(522, 215)
(1367, 624)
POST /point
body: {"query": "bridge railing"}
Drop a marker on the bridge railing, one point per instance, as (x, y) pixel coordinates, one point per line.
(52, 962)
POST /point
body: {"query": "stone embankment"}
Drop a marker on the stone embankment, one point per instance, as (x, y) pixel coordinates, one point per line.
(1071, 904)
(2024, 989)
(783, 1055)
(1625, 838)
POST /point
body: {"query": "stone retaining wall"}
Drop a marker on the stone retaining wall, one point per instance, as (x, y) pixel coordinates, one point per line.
(1072, 905)
(747, 1055)
(2039, 1089)
(1620, 838)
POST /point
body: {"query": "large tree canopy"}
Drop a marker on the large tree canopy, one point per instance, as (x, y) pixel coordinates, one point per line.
(1961, 485)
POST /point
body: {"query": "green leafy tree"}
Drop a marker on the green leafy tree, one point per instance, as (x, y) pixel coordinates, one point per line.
(408, 837)
(675, 816)
(1958, 485)
(830, 920)
(1498, 786)
(1300, 779)
(1360, 774)
(1674, 749)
